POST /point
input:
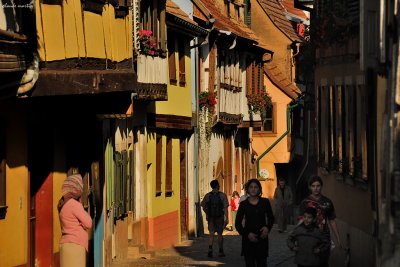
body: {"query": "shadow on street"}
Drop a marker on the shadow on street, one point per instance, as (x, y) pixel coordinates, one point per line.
(194, 253)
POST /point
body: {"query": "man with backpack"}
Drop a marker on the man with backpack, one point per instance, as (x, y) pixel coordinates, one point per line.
(215, 205)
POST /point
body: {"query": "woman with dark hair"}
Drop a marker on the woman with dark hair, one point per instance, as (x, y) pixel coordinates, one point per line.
(326, 216)
(258, 220)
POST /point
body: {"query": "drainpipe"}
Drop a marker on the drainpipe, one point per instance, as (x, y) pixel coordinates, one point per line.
(196, 198)
(288, 110)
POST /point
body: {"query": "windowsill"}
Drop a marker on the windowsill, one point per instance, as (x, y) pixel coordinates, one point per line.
(182, 84)
(168, 194)
(263, 134)
(3, 212)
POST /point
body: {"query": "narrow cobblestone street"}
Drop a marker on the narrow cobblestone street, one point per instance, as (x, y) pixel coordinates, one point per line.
(194, 253)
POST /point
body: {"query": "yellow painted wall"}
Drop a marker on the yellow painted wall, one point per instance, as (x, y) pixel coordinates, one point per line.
(70, 32)
(261, 141)
(179, 98)
(14, 228)
(161, 205)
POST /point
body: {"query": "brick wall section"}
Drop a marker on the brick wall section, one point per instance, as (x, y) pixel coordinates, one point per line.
(164, 230)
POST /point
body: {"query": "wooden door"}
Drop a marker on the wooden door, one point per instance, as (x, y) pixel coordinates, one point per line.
(43, 233)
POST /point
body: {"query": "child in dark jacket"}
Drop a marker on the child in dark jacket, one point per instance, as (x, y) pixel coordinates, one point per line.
(308, 241)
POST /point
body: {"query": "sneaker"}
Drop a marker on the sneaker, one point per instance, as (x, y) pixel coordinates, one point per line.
(221, 254)
(210, 254)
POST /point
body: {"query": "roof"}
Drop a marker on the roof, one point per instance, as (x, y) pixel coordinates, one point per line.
(174, 9)
(277, 14)
(288, 5)
(179, 17)
(281, 81)
(224, 23)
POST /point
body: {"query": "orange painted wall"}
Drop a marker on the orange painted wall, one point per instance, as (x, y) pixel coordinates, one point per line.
(163, 230)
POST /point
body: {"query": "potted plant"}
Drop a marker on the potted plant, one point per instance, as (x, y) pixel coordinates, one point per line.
(259, 103)
(147, 44)
(207, 100)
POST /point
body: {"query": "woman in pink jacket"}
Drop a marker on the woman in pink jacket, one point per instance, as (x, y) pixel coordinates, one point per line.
(74, 222)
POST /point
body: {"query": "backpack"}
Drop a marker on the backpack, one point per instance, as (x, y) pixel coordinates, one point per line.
(215, 207)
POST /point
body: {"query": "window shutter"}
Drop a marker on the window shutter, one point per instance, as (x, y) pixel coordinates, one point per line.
(211, 73)
(158, 164)
(171, 58)
(181, 52)
(249, 79)
(168, 169)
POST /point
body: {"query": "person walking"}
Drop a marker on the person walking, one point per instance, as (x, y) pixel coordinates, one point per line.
(215, 205)
(234, 207)
(325, 213)
(258, 221)
(74, 223)
(283, 199)
(308, 241)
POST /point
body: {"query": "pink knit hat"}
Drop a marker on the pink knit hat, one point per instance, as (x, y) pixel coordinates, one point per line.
(72, 187)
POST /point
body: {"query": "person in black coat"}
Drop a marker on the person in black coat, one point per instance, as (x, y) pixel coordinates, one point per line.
(254, 221)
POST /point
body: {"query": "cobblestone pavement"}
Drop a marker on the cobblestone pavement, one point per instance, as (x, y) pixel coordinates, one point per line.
(194, 253)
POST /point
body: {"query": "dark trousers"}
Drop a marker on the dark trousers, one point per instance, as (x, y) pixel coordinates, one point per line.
(255, 261)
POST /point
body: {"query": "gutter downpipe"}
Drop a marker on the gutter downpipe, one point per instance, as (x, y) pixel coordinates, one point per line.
(288, 110)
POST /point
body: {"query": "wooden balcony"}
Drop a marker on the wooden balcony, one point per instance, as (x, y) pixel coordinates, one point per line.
(152, 77)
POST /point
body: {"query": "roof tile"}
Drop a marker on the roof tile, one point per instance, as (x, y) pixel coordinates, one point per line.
(276, 12)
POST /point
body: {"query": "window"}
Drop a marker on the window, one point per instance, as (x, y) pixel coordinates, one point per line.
(121, 183)
(158, 164)
(153, 18)
(255, 78)
(171, 58)
(168, 168)
(181, 52)
(3, 206)
(268, 122)
(247, 12)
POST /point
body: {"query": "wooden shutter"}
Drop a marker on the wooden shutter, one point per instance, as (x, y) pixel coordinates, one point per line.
(181, 52)
(158, 164)
(171, 57)
(168, 168)
(211, 73)
(249, 79)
